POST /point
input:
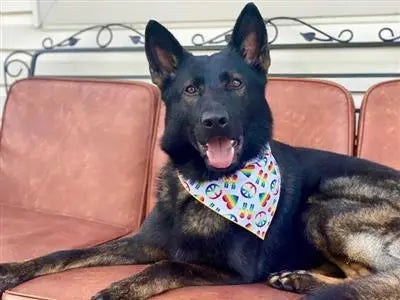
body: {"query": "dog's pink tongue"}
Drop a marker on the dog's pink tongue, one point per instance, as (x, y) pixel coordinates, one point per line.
(220, 152)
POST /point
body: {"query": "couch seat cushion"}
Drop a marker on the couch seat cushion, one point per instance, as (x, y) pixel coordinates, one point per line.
(81, 284)
(26, 234)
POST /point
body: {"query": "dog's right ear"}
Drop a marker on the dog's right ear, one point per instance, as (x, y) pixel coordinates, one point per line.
(163, 52)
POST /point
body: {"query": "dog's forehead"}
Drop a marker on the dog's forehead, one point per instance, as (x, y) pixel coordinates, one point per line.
(211, 66)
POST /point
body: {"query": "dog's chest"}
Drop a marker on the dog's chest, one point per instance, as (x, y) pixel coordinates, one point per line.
(191, 217)
(198, 220)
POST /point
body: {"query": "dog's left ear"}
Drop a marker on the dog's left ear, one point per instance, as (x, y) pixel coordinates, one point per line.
(249, 38)
(163, 51)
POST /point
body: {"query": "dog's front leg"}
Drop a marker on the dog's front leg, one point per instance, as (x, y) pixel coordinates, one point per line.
(133, 250)
(164, 276)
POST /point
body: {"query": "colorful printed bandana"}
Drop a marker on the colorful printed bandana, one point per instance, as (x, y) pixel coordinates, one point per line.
(248, 197)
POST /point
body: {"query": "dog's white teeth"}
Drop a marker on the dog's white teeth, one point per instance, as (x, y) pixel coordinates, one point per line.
(233, 143)
(232, 151)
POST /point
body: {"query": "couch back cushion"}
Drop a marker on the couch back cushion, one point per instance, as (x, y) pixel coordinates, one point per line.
(312, 113)
(307, 113)
(78, 148)
(379, 127)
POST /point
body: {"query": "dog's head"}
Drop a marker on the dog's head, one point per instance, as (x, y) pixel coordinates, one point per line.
(216, 114)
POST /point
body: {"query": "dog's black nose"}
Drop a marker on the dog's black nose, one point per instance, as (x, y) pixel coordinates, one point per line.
(211, 120)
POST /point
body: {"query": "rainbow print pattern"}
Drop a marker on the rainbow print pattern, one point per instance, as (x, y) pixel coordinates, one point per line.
(248, 198)
(262, 178)
(231, 200)
(271, 168)
(243, 210)
(247, 211)
(248, 170)
(230, 181)
(264, 197)
(199, 197)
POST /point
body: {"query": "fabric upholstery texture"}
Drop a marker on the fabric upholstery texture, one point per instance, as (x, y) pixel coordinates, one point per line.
(74, 159)
(379, 128)
(312, 113)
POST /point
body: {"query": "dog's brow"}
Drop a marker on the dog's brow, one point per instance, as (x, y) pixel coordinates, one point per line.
(198, 80)
(224, 76)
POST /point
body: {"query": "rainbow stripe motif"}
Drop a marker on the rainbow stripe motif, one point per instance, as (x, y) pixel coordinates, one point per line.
(230, 181)
(234, 181)
(264, 180)
(226, 181)
(246, 211)
(250, 211)
(199, 197)
(242, 213)
(231, 200)
(264, 197)
(271, 168)
(259, 176)
(247, 170)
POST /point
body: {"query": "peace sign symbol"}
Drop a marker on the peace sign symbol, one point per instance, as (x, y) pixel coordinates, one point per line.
(248, 190)
(274, 187)
(213, 191)
(261, 219)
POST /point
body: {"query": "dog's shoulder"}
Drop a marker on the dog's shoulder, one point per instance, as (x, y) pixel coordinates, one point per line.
(191, 215)
(170, 192)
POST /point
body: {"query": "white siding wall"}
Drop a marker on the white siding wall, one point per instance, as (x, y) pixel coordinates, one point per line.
(19, 32)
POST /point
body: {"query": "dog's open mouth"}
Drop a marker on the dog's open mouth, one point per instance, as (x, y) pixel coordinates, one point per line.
(221, 152)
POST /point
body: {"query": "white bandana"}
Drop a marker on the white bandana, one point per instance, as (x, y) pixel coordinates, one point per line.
(248, 197)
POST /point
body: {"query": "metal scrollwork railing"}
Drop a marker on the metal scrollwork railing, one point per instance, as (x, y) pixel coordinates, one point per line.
(22, 63)
(16, 66)
(224, 37)
(199, 40)
(392, 37)
(312, 35)
(104, 36)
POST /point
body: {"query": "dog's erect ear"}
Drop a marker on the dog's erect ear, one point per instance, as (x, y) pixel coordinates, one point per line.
(249, 38)
(163, 52)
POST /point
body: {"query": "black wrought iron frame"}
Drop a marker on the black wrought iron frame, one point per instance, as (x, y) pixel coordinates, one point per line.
(314, 39)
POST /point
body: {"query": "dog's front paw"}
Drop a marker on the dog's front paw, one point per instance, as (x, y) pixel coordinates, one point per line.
(121, 290)
(110, 294)
(103, 295)
(9, 277)
(296, 281)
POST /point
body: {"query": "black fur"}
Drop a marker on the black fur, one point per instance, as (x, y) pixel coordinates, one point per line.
(201, 247)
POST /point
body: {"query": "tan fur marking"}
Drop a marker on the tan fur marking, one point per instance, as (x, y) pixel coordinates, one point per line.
(202, 221)
(167, 60)
(353, 270)
(250, 47)
(328, 279)
(364, 248)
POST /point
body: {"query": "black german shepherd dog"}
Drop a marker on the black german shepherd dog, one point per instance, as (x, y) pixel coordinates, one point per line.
(336, 233)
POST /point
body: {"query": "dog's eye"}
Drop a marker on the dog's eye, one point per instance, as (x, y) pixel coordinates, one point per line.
(191, 90)
(235, 83)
